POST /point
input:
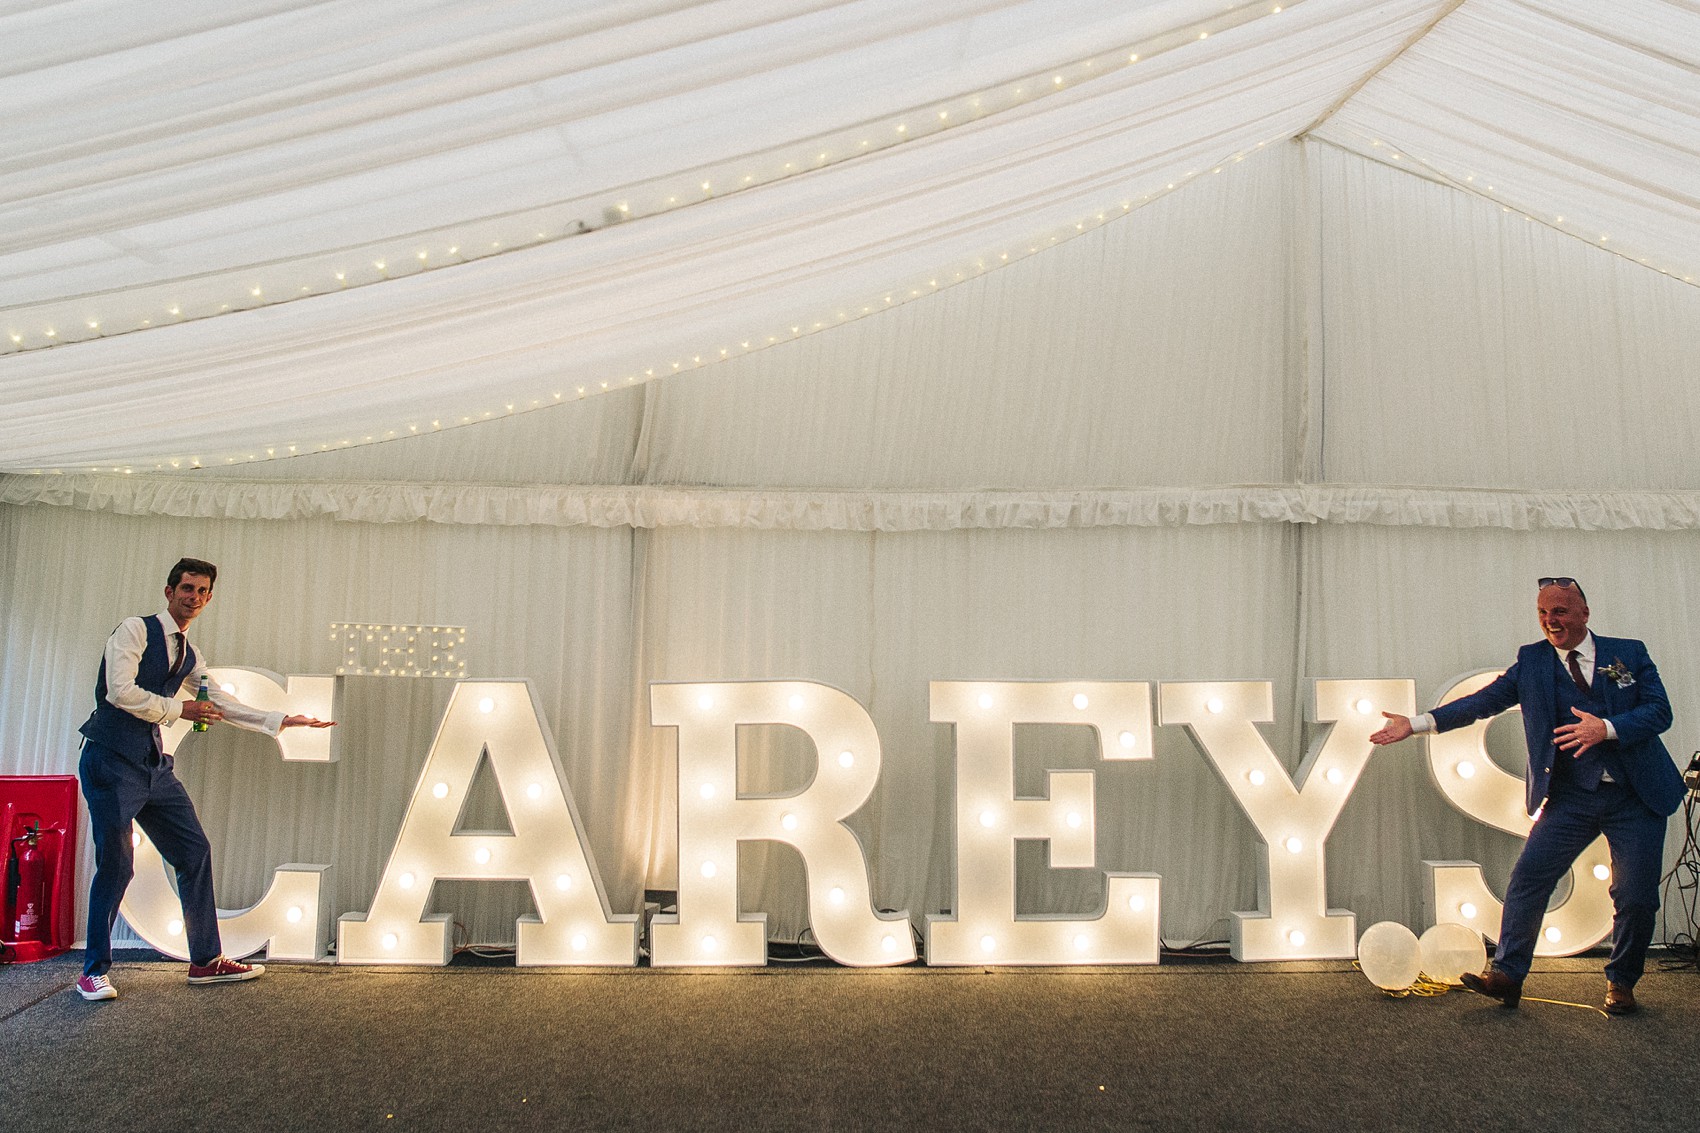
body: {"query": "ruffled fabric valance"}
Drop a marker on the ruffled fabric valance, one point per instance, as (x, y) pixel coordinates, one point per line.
(890, 511)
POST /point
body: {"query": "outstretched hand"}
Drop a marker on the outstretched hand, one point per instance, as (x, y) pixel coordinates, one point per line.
(307, 722)
(1398, 728)
(1577, 738)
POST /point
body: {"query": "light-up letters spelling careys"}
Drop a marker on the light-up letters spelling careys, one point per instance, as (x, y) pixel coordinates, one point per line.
(708, 929)
(290, 920)
(1471, 781)
(1293, 822)
(501, 720)
(984, 928)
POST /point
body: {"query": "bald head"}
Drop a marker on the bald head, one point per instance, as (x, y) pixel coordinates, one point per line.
(1563, 612)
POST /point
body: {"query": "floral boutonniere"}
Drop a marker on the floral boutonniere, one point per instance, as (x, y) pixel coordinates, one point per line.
(1619, 674)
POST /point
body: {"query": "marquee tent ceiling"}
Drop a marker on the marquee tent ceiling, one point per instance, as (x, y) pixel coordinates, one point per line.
(350, 221)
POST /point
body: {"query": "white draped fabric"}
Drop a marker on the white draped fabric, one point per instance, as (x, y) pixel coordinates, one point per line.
(1308, 418)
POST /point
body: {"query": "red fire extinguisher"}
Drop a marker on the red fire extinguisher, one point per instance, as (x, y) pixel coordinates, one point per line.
(29, 885)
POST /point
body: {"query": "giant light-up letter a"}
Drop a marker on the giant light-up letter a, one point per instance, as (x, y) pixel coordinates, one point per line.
(292, 921)
(714, 818)
(547, 848)
(1472, 782)
(990, 819)
(1292, 920)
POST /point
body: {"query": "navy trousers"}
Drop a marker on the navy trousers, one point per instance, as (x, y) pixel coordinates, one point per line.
(120, 791)
(1569, 823)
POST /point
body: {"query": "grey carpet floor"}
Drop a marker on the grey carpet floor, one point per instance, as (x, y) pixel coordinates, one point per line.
(1184, 1046)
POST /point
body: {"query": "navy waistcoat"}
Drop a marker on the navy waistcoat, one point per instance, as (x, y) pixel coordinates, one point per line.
(111, 726)
(1584, 772)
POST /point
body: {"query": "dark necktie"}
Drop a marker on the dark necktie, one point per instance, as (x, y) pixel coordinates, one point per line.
(183, 654)
(1576, 674)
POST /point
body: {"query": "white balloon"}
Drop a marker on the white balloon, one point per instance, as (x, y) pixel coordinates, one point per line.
(1390, 956)
(1449, 950)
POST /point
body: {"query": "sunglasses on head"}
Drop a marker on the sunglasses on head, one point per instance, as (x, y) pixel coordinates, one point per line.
(1567, 583)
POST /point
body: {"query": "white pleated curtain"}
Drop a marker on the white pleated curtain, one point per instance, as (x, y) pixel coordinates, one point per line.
(1190, 445)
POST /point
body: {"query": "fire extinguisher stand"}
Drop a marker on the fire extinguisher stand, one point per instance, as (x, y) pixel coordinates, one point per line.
(38, 903)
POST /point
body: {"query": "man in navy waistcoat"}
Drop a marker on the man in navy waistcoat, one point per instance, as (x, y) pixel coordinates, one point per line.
(1593, 708)
(127, 776)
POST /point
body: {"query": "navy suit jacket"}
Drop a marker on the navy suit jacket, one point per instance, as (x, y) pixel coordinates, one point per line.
(1638, 711)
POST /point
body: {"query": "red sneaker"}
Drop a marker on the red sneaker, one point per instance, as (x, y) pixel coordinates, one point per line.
(96, 987)
(224, 970)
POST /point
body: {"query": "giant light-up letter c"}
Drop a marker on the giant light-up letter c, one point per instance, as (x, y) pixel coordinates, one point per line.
(708, 929)
(292, 920)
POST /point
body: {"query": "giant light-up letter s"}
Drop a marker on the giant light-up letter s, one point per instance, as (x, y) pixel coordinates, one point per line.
(1473, 783)
(292, 920)
(984, 928)
(708, 929)
(547, 848)
(1292, 920)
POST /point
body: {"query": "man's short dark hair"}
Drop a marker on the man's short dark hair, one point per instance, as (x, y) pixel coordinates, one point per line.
(192, 566)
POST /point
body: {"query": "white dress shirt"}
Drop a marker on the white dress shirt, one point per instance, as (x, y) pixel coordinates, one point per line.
(124, 655)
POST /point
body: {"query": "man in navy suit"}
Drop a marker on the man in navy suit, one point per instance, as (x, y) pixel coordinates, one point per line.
(1593, 708)
(128, 777)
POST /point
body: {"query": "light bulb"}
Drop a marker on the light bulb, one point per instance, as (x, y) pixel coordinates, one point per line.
(174, 927)
(1466, 769)
(579, 942)
(706, 790)
(1126, 739)
(482, 855)
(788, 821)
(135, 839)
(888, 943)
(1136, 903)
(1080, 942)
(709, 944)
(987, 943)
(705, 702)
(846, 759)
(1214, 705)
(229, 688)
(1467, 910)
(1364, 707)
(1335, 776)
(796, 702)
(389, 942)
(534, 791)
(987, 818)
(486, 706)
(985, 700)
(441, 790)
(1074, 820)
(1602, 871)
(1554, 935)
(293, 916)
(563, 881)
(709, 869)
(1255, 777)
(405, 881)
(1296, 938)
(1080, 700)
(1294, 845)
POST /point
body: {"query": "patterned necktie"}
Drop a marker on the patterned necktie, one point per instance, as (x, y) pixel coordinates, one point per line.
(1576, 674)
(183, 654)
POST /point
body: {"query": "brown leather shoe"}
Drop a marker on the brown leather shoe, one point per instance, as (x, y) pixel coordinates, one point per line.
(1620, 1000)
(1494, 984)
